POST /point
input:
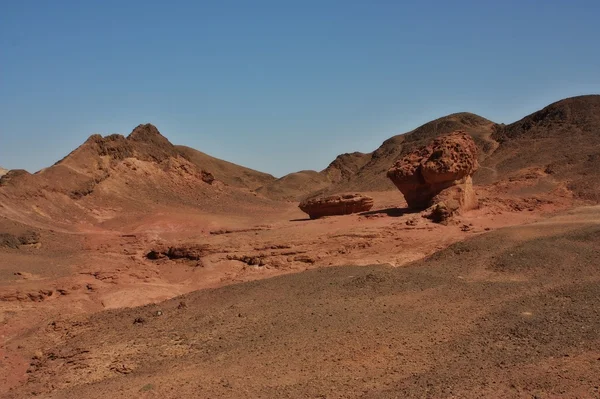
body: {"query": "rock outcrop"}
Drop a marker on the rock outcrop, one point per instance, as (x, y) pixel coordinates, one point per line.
(184, 251)
(3, 171)
(15, 241)
(336, 205)
(439, 172)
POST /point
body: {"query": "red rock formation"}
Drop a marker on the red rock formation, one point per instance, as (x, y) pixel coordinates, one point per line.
(336, 205)
(447, 161)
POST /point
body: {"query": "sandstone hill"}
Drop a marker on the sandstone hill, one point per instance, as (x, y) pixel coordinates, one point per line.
(367, 172)
(117, 175)
(3, 171)
(298, 185)
(563, 140)
(295, 186)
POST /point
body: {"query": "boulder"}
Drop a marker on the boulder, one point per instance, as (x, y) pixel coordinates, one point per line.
(344, 204)
(425, 174)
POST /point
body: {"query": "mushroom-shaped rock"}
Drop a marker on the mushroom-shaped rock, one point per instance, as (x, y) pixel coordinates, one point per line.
(344, 204)
(447, 161)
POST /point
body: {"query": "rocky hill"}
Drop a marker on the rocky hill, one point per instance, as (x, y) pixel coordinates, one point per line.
(367, 172)
(3, 171)
(117, 175)
(298, 185)
(563, 140)
(122, 174)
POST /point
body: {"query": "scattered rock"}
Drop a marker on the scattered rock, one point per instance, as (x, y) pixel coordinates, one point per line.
(207, 177)
(189, 252)
(13, 174)
(278, 246)
(31, 296)
(249, 260)
(305, 259)
(448, 161)
(373, 215)
(442, 212)
(227, 231)
(29, 238)
(14, 241)
(336, 205)
(9, 240)
(121, 368)
(411, 222)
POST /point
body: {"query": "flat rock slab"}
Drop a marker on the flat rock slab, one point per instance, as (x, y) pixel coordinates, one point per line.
(344, 204)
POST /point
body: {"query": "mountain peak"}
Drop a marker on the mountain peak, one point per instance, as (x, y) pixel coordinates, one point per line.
(148, 133)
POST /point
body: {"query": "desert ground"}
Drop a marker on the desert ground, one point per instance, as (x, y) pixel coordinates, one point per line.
(136, 268)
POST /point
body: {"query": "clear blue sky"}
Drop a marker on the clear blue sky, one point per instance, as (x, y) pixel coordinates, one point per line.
(279, 85)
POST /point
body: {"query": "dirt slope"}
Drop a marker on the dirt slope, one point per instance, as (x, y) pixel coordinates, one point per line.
(227, 172)
(509, 314)
(563, 139)
(3, 171)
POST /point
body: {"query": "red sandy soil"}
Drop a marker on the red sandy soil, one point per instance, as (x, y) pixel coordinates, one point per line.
(89, 270)
(435, 339)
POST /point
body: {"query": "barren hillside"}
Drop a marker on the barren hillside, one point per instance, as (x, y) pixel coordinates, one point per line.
(298, 185)
(563, 140)
(227, 172)
(366, 172)
(116, 176)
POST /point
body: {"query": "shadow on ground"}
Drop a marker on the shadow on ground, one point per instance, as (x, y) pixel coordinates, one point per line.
(393, 212)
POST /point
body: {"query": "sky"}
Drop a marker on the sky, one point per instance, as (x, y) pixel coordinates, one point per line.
(279, 86)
